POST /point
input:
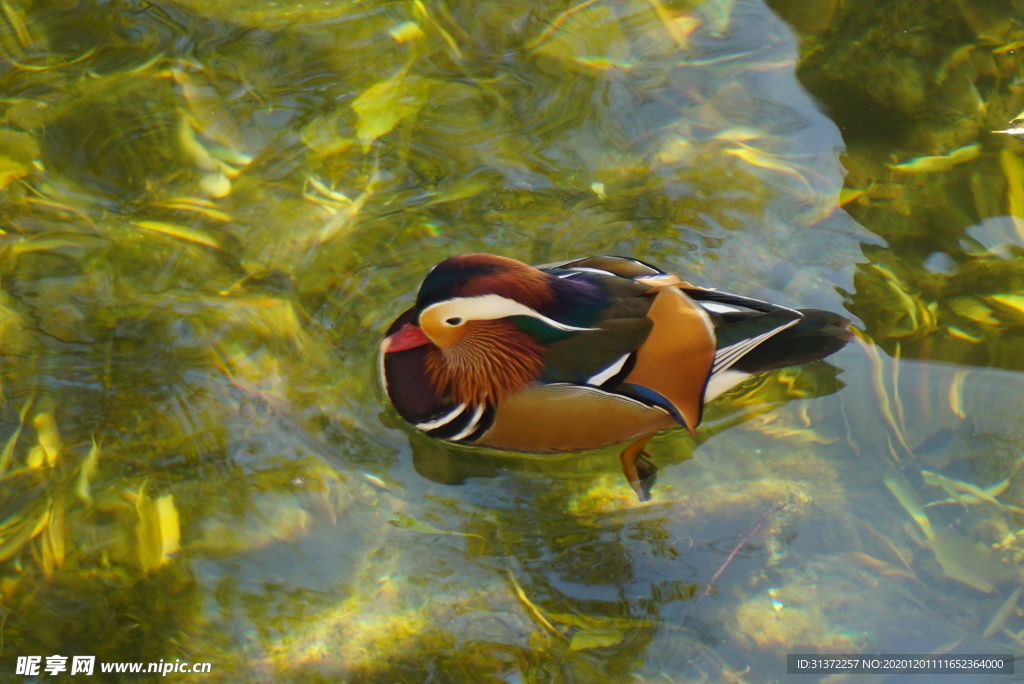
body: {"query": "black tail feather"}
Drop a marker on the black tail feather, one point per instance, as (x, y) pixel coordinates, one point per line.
(817, 335)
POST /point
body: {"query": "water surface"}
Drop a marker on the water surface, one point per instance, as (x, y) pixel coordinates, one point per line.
(211, 211)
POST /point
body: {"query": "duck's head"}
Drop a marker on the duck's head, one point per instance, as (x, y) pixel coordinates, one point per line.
(484, 321)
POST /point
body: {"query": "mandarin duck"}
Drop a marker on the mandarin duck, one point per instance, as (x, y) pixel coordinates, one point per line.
(581, 354)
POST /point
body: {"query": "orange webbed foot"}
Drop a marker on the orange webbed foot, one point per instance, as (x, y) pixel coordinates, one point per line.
(639, 471)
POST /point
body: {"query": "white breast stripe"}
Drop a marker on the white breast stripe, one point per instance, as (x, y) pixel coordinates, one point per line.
(609, 372)
(727, 356)
(443, 420)
(473, 422)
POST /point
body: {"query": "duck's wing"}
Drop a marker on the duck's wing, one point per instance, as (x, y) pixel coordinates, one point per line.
(624, 267)
(649, 342)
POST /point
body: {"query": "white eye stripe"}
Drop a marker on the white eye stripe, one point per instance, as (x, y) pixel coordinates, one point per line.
(488, 308)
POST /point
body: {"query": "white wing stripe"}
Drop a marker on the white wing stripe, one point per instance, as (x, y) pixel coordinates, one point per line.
(585, 269)
(609, 372)
(740, 303)
(727, 356)
(734, 353)
(715, 307)
(722, 382)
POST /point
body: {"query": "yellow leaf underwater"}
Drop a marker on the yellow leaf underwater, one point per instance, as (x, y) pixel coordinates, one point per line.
(604, 63)
(771, 162)
(86, 472)
(678, 26)
(558, 22)
(53, 549)
(968, 561)
(426, 14)
(878, 566)
(595, 638)
(384, 105)
(44, 453)
(1013, 130)
(198, 206)
(180, 232)
(195, 149)
(1003, 614)
(941, 162)
(908, 499)
(533, 609)
(49, 438)
(972, 309)
(17, 532)
(406, 32)
(158, 531)
(965, 492)
(19, 22)
(11, 170)
(8, 451)
(956, 394)
(1009, 48)
(1012, 304)
(408, 523)
(41, 244)
(964, 335)
(216, 184)
(1013, 170)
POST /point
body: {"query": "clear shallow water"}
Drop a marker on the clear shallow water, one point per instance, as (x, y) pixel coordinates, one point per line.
(213, 211)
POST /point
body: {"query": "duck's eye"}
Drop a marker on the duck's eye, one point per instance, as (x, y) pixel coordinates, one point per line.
(454, 320)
